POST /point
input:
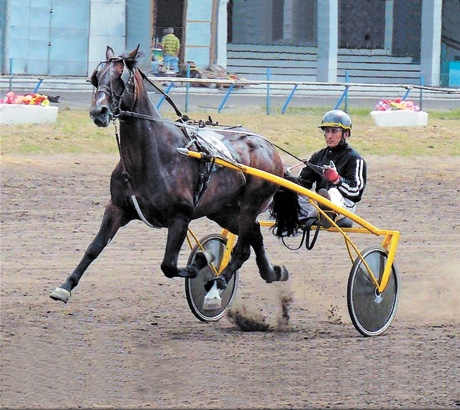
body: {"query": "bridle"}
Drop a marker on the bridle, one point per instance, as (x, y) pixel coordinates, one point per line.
(184, 121)
(115, 112)
(127, 77)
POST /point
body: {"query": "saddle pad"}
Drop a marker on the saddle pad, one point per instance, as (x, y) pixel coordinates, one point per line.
(213, 141)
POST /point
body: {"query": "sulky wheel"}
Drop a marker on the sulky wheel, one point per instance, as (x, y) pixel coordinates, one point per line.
(372, 312)
(195, 288)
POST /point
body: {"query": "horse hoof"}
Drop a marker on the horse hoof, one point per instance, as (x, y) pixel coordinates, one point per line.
(203, 258)
(282, 274)
(188, 272)
(60, 294)
(220, 282)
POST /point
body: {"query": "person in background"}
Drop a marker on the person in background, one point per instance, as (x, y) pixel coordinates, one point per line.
(170, 45)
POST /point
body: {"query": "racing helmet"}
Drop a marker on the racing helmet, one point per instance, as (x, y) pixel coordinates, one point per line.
(337, 118)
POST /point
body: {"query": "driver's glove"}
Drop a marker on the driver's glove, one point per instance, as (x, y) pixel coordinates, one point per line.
(330, 173)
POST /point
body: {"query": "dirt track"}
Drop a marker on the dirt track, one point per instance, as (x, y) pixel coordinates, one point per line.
(128, 339)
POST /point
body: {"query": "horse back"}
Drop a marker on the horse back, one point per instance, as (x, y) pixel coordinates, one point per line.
(254, 150)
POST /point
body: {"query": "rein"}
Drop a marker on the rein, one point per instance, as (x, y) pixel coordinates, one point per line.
(181, 123)
(166, 96)
(201, 125)
(127, 178)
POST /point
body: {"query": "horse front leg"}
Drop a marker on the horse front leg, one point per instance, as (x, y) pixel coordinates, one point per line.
(177, 231)
(112, 221)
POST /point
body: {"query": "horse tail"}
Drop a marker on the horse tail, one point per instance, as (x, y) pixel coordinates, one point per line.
(285, 209)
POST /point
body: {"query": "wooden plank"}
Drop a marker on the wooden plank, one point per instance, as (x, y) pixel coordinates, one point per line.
(274, 70)
(271, 48)
(272, 63)
(380, 73)
(374, 59)
(270, 56)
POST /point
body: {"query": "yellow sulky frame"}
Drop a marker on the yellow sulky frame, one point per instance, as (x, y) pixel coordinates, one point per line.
(389, 243)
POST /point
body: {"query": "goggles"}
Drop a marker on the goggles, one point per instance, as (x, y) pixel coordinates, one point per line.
(332, 130)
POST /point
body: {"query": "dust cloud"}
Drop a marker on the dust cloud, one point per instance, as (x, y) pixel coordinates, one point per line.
(274, 316)
(430, 299)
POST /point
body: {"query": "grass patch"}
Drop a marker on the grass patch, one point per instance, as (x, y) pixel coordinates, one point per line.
(73, 132)
(296, 131)
(445, 115)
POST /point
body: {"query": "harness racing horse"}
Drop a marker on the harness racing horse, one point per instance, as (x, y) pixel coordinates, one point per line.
(156, 184)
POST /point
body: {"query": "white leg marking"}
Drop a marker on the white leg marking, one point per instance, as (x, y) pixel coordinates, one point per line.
(60, 294)
(212, 300)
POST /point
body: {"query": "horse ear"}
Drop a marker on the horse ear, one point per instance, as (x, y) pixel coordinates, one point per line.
(109, 53)
(133, 54)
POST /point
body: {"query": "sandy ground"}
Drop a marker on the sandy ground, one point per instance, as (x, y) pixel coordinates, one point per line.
(127, 339)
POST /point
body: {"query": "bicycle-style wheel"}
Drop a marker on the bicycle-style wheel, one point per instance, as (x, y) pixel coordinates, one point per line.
(372, 312)
(195, 288)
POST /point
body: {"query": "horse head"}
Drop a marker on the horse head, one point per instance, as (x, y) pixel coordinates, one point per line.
(115, 81)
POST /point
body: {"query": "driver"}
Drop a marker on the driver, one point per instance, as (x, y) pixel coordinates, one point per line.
(343, 177)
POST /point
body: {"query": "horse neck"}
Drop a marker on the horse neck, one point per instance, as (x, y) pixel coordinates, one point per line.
(143, 140)
(142, 103)
(135, 129)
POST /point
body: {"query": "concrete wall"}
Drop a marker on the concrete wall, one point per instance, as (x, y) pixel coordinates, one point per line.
(362, 24)
(40, 39)
(451, 29)
(407, 28)
(252, 22)
(197, 44)
(138, 28)
(107, 28)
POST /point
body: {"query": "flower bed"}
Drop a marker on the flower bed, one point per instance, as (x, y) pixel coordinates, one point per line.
(398, 113)
(26, 109)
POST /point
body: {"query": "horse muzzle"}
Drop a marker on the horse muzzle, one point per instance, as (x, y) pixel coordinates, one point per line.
(101, 115)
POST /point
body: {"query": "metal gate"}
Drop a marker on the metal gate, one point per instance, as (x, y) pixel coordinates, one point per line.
(48, 37)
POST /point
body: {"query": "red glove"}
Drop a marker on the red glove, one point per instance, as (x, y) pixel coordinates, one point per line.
(330, 174)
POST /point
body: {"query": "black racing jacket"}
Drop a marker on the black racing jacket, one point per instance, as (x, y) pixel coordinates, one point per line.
(350, 166)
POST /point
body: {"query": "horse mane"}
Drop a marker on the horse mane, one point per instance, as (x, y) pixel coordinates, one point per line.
(139, 84)
(131, 62)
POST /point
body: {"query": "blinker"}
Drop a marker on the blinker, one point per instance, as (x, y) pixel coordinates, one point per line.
(97, 70)
(125, 74)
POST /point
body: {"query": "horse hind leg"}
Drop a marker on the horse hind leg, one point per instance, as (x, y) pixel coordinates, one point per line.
(268, 272)
(111, 222)
(249, 234)
(250, 229)
(240, 254)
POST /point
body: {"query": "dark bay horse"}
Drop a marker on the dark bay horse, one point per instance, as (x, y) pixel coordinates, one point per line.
(162, 184)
